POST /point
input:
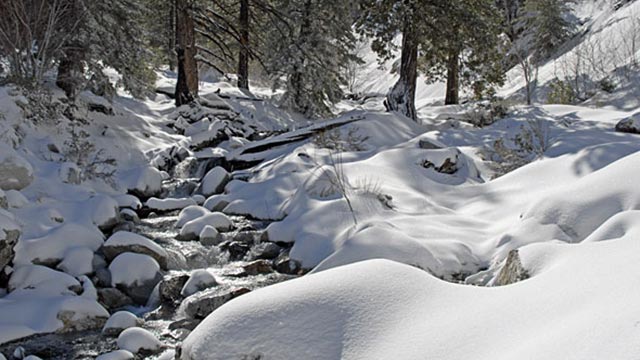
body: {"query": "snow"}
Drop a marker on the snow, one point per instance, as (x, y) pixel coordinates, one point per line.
(128, 239)
(15, 172)
(136, 339)
(77, 261)
(56, 243)
(121, 320)
(193, 228)
(169, 203)
(132, 269)
(15, 199)
(146, 180)
(198, 280)
(214, 181)
(116, 355)
(190, 213)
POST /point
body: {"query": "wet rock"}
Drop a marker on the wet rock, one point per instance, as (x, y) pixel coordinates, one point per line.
(112, 298)
(171, 287)
(4, 203)
(512, 271)
(266, 250)
(245, 237)
(236, 249)
(16, 173)
(176, 260)
(103, 277)
(201, 304)
(9, 234)
(258, 267)
(188, 324)
(286, 265)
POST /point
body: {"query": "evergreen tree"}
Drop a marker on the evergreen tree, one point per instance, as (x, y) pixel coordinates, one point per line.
(307, 55)
(547, 21)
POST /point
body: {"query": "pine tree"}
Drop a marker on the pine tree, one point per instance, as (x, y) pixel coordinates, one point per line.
(306, 56)
(547, 21)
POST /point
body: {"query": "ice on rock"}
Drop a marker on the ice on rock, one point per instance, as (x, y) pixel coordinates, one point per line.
(138, 340)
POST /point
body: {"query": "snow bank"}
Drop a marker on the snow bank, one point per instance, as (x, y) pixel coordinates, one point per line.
(381, 309)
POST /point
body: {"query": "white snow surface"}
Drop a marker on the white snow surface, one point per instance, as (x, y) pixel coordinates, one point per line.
(136, 339)
(126, 238)
(213, 180)
(199, 280)
(132, 269)
(121, 320)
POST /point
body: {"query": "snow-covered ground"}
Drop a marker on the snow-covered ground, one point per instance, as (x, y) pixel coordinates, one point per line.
(407, 228)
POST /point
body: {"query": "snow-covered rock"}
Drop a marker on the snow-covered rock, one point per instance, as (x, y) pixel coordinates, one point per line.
(104, 212)
(52, 247)
(124, 241)
(214, 181)
(9, 234)
(117, 355)
(203, 303)
(16, 173)
(119, 321)
(15, 199)
(77, 261)
(135, 274)
(144, 182)
(199, 280)
(138, 340)
(192, 229)
(190, 213)
(629, 125)
(128, 201)
(169, 204)
(209, 236)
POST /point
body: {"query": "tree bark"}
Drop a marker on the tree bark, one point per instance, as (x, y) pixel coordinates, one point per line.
(453, 79)
(172, 35)
(187, 86)
(401, 98)
(243, 56)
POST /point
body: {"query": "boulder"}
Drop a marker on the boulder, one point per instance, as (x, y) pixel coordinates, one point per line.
(214, 181)
(266, 250)
(16, 173)
(209, 236)
(201, 304)
(170, 288)
(512, 271)
(136, 275)
(124, 241)
(112, 298)
(192, 229)
(9, 234)
(81, 321)
(258, 267)
(629, 125)
(237, 250)
(139, 341)
(120, 321)
(199, 280)
(286, 265)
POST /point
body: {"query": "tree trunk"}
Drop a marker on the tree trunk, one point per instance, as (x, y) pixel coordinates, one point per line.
(453, 79)
(243, 56)
(401, 98)
(71, 71)
(172, 36)
(187, 86)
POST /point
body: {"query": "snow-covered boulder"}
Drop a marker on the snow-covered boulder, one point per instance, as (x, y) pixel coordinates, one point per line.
(192, 229)
(190, 213)
(214, 181)
(38, 279)
(119, 321)
(52, 247)
(9, 234)
(169, 204)
(112, 298)
(629, 125)
(104, 212)
(209, 236)
(77, 261)
(124, 241)
(199, 280)
(128, 201)
(138, 340)
(15, 199)
(216, 202)
(16, 173)
(135, 274)
(143, 182)
(117, 355)
(70, 173)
